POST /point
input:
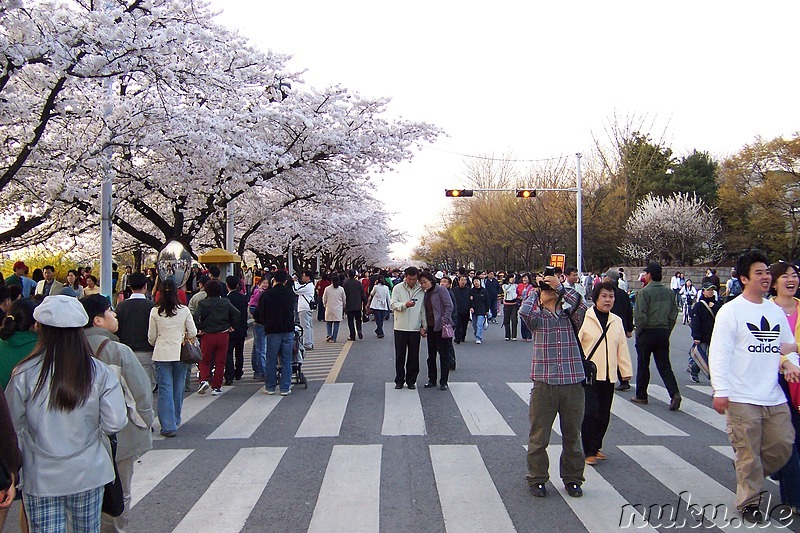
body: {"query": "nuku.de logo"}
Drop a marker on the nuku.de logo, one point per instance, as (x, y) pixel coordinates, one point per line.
(764, 335)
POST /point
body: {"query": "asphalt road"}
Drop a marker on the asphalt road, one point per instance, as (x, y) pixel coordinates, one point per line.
(357, 455)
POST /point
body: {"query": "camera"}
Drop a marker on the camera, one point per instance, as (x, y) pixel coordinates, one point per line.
(549, 271)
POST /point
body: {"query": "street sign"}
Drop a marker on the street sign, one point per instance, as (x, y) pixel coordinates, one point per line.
(558, 260)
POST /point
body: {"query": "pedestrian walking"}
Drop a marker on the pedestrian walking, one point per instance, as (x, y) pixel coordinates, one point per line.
(133, 315)
(334, 300)
(408, 315)
(704, 314)
(479, 305)
(655, 314)
(306, 304)
(462, 293)
(234, 361)
(259, 352)
(438, 309)
(216, 318)
(276, 309)
(378, 303)
(603, 340)
(355, 298)
(510, 308)
(63, 413)
(752, 342)
(170, 325)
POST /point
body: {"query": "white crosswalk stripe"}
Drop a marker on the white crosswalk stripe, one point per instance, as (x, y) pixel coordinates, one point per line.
(689, 483)
(349, 499)
(192, 405)
(470, 501)
(642, 420)
(402, 413)
(478, 412)
(324, 418)
(601, 506)
(697, 410)
(705, 389)
(152, 468)
(245, 421)
(246, 476)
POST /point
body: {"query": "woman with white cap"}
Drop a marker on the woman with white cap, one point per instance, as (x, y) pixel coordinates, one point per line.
(63, 402)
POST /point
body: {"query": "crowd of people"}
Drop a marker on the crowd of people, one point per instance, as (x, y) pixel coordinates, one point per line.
(61, 416)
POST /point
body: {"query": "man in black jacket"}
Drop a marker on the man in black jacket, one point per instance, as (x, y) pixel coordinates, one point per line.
(133, 315)
(462, 293)
(704, 314)
(355, 298)
(276, 312)
(235, 370)
(622, 308)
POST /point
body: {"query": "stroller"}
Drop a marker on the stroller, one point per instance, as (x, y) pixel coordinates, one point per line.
(298, 353)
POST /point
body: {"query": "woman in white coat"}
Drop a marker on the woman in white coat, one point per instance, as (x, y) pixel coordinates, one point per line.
(379, 303)
(334, 301)
(608, 352)
(63, 402)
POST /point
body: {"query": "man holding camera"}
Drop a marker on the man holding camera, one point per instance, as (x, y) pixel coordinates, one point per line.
(554, 313)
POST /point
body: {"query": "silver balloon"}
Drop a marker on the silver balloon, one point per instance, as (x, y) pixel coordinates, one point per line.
(174, 261)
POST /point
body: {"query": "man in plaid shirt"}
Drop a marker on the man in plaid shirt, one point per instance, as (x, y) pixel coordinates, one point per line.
(557, 373)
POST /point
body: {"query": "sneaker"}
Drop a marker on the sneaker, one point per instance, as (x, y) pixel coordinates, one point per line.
(514, 339)
(753, 514)
(203, 387)
(268, 392)
(286, 392)
(478, 341)
(216, 392)
(309, 348)
(695, 379)
(574, 490)
(429, 384)
(508, 338)
(398, 386)
(538, 490)
(675, 402)
(412, 386)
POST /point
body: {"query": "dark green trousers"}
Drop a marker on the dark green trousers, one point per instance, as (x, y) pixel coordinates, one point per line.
(567, 402)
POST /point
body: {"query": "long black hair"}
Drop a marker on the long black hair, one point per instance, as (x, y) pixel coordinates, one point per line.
(71, 379)
(168, 302)
(19, 317)
(335, 281)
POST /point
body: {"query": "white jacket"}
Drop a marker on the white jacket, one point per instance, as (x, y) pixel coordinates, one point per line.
(305, 295)
(379, 297)
(167, 333)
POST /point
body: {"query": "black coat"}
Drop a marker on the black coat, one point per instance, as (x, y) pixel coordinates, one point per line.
(703, 321)
(622, 308)
(239, 301)
(354, 294)
(462, 299)
(276, 309)
(479, 301)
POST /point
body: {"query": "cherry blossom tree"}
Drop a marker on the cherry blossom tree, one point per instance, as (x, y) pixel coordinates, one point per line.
(679, 228)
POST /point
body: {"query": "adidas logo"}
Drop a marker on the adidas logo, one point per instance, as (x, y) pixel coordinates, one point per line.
(764, 333)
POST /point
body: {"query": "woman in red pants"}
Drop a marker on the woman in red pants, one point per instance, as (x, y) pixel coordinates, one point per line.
(215, 318)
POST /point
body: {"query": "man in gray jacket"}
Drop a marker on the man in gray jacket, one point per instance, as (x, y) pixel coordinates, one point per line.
(135, 438)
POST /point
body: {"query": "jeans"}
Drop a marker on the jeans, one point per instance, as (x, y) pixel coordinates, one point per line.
(333, 329)
(279, 345)
(524, 331)
(477, 326)
(354, 316)
(378, 314)
(259, 349)
(655, 342)
(307, 323)
(171, 376)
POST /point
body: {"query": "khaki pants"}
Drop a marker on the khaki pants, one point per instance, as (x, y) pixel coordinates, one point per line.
(146, 358)
(762, 438)
(546, 401)
(109, 524)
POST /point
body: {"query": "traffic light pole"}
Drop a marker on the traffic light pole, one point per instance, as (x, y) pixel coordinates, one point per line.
(578, 190)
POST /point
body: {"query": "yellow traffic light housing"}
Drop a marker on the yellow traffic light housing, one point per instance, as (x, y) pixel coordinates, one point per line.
(458, 193)
(526, 193)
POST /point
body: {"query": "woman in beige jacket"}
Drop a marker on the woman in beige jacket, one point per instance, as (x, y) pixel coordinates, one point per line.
(334, 300)
(608, 352)
(170, 324)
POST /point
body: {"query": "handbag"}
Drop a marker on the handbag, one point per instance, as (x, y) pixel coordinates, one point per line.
(190, 353)
(448, 332)
(113, 499)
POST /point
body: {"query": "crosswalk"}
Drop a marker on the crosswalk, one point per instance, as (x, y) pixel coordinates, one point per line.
(352, 493)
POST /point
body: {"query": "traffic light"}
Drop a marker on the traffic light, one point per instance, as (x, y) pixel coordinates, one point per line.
(458, 193)
(526, 193)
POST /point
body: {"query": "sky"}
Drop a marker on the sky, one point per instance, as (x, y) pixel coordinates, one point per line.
(539, 79)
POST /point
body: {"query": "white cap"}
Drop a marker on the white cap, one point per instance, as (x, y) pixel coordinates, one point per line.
(61, 311)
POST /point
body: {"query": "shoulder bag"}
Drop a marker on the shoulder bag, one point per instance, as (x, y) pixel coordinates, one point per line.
(190, 352)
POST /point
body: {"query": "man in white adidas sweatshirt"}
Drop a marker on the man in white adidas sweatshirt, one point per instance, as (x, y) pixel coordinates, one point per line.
(750, 335)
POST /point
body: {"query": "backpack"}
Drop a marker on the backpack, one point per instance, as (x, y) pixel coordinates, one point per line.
(736, 288)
